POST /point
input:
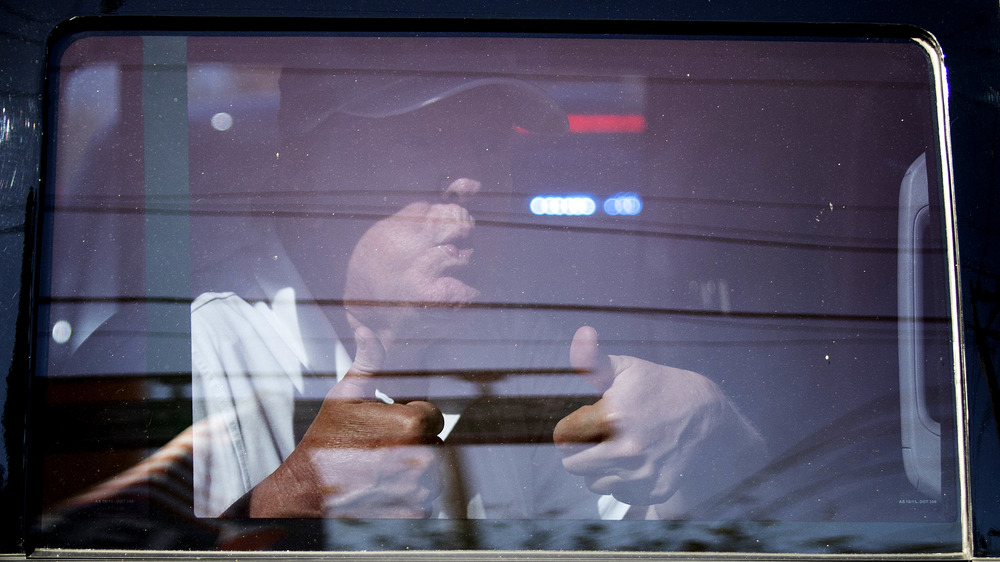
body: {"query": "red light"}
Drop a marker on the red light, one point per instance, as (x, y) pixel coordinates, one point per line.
(606, 123)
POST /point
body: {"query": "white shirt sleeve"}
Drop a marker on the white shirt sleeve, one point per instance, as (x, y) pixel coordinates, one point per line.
(245, 367)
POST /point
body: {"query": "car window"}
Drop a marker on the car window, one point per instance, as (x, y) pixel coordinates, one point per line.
(488, 292)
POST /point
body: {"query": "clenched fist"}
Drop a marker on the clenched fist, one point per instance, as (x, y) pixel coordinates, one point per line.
(360, 457)
(656, 430)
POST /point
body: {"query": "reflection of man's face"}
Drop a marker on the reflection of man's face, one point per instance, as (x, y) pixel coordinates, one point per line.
(440, 162)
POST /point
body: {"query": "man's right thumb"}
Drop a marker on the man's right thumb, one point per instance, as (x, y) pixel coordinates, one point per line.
(368, 361)
(370, 355)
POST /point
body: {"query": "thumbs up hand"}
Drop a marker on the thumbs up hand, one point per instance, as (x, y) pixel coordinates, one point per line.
(655, 432)
(360, 457)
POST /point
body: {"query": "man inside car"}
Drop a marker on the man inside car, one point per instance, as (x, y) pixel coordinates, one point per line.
(400, 275)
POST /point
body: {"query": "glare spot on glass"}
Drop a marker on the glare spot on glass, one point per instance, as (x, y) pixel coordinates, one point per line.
(61, 331)
(563, 205)
(629, 204)
(6, 126)
(222, 121)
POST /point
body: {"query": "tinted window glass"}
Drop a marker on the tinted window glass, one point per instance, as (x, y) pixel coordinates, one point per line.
(638, 293)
